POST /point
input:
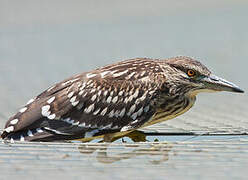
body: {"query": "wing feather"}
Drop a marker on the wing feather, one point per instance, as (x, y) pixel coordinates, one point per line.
(102, 101)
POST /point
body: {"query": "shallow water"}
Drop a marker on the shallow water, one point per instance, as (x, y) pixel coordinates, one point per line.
(42, 43)
(224, 158)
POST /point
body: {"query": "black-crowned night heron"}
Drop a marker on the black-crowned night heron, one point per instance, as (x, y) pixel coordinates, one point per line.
(114, 100)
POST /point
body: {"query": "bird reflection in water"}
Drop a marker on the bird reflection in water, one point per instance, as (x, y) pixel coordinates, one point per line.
(106, 153)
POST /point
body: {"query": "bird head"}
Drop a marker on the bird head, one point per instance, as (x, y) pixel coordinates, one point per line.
(191, 77)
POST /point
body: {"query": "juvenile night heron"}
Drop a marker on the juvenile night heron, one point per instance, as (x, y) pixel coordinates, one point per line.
(114, 100)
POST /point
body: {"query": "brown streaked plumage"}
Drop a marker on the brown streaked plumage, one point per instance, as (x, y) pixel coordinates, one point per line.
(114, 100)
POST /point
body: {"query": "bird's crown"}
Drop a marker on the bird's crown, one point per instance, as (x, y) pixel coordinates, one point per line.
(188, 65)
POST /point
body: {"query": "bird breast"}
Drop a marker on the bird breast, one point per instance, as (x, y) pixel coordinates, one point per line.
(171, 108)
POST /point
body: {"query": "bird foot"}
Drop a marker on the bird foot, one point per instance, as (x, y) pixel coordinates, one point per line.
(137, 136)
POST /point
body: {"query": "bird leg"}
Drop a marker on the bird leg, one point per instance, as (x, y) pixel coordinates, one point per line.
(135, 136)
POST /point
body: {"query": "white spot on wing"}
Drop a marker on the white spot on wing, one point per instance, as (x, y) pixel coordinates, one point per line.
(97, 111)
(68, 120)
(22, 138)
(93, 126)
(9, 129)
(117, 112)
(83, 86)
(22, 110)
(76, 123)
(89, 82)
(104, 73)
(112, 72)
(93, 98)
(132, 109)
(126, 100)
(120, 93)
(140, 111)
(93, 90)
(91, 133)
(125, 128)
(109, 99)
(45, 110)
(50, 88)
(99, 93)
(30, 133)
(81, 92)
(104, 111)
(111, 114)
(142, 73)
(30, 101)
(70, 81)
(90, 75)
(51, 100)
(134, 122)
(143, 97)
(89, 108)
(14, 121)
(130, 75)
(52, 116)
(79, 84)
(115, 99)
(75, 103)
(134, 116)
(105, 93)
(130, 99)
(122, 113)
(136, 93)
(107, 126)
(151, 92)
(73, 99)
(115, 127)
(39, 130)
(55, 131)
(120, 73)
(146, 109)
(70, 94)
(82, 125)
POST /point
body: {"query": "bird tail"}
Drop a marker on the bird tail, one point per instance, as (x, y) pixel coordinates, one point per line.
(38, 134)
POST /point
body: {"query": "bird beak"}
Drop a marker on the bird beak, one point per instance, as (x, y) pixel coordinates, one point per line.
(215, 83)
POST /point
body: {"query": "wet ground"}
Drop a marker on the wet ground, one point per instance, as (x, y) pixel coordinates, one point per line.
(206, 158)
(44, 42)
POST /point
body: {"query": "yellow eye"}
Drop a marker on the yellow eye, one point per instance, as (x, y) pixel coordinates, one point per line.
(191, 73)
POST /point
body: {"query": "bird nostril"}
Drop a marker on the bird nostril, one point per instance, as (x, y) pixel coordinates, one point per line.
(214, 78)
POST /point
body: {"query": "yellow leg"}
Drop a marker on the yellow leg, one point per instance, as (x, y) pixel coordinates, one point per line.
(137, 136)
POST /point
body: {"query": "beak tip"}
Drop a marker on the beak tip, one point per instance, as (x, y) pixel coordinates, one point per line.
(238, 90)
(222, 85)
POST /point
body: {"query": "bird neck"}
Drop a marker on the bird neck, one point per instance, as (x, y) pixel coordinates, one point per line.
(170, 107)
(171, 103)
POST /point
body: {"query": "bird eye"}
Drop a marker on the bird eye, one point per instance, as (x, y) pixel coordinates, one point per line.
(191, 73)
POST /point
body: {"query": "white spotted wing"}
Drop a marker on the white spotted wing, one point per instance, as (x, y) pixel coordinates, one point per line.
(109, 99)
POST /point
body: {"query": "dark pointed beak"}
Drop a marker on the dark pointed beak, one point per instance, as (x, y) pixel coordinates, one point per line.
(215, 83)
